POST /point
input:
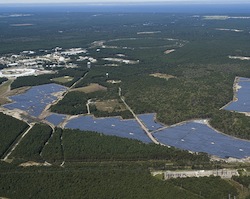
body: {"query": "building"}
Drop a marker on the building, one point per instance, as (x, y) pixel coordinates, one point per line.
(223, 173)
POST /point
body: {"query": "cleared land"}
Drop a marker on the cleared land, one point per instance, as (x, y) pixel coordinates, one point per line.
(169, 51)
(5, 91)
(4, 88)
(162, 76)
(64, 79)
(110, 105)
(91, 88)
(4, 99)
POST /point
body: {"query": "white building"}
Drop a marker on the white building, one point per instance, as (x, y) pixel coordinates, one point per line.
(223, 173)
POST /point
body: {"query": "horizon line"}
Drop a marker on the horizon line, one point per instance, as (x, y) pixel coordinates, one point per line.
(129, 3)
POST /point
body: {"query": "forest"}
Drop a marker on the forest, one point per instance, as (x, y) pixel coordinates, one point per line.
(204, 73)
(99, 166)
(114, 167)
(87, 181)
(2, 80)
(110, 148)
(48, 78)
(202, 187)
(32, 144)
(11, 129)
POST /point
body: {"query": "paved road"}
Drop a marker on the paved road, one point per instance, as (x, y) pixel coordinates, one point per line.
(138, 120)
(88, 103)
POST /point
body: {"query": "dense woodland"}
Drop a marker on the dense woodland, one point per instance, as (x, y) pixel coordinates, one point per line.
(48, 78)
(74, 103)
(87, 181)
(114, 148)
(31, 146)
(53, 152)
(2, 80)
(202, 187)
(244, 180)
(115, 167)
(11, 129)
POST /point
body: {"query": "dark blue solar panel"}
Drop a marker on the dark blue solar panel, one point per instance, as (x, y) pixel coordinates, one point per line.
(56, 119)
(201, 138)
(243, 95)
(149, 121)
(35, 99)
(110, 126)
(189, 136)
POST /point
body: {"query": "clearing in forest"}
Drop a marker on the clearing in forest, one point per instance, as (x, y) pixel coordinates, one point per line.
(91, 88)
(63, 79)
(162, 75)
(110, 106)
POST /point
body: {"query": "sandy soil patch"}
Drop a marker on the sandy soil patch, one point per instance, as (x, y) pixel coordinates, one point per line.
(169, 51)
(31, 163)
(239, 57)
(91, 88)
(162, 75)
(5, 92)
(114, 81)
(4, 100)
(5, 87)
(110, 105)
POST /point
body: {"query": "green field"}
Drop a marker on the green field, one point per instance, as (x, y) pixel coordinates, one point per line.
(64, 79)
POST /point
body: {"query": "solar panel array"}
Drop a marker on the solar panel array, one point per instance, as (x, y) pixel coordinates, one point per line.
(149, 121)
(35, 99)
(243, 96)
(199, 137)
(56, 119)
(193, 136)
(110, 126)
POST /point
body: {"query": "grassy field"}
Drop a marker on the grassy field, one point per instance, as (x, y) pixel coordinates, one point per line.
(110, 105)
(91, 88)
(64, 79)
(4, 88)
(163, 76)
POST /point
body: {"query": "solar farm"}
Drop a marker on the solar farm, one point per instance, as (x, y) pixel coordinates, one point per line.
(56, 119)
(198, 137)
(35, 99)
(243, 97)
(193, 136)
(110, 126)
(149, 121)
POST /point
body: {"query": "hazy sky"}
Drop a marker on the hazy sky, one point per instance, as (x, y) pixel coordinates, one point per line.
(120, 1)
